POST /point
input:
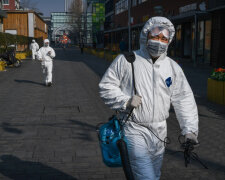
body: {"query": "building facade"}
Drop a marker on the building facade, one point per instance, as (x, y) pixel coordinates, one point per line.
(60, 24)
(217, 11)
(26, 23)
(2, 15)
(109, 21)
(48, 23)
(10, 5)
(189, 42)
(94, 18)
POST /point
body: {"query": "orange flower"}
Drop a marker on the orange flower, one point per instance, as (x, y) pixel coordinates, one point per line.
(219, 70)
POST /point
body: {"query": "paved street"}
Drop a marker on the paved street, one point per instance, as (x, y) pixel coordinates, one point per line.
(49, 132)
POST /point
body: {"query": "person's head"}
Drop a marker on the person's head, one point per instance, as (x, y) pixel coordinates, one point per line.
(46, 42)
(157, 41)
(33, 41)
(156, 35)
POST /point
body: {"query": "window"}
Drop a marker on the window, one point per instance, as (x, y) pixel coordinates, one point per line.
(134, 2)
(5, 1)
(121, 6)
(141, 1)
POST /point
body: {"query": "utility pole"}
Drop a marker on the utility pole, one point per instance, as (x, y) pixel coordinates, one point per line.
(129, 34)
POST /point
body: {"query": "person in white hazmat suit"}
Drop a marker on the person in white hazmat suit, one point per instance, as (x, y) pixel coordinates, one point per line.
(46, 55)
(34, 47)
(159, 81)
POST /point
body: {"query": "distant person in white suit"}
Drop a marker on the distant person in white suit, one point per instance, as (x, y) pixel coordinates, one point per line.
(34, 47)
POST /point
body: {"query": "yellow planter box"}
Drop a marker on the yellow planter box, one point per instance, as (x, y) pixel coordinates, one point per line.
(216, 91)
(21, 56)
(101, 54)
(223, 92)
(85, 50)
(2, 65)
(93, 51)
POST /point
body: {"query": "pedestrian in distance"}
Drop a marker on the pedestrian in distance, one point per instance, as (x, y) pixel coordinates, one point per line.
(46, 55)
(81, 47)
(159, 82)
(34, 47)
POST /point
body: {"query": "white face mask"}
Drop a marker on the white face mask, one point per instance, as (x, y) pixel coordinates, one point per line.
(156, 48)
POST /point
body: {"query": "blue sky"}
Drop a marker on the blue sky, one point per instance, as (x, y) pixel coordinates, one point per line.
(48, 6)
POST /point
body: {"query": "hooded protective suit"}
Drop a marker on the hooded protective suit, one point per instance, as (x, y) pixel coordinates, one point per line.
(46, 55)
(159, 84)
(34, 48)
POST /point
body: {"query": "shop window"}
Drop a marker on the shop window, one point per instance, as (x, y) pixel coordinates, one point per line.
(193, 39)
(178, 40)
(121, 6)
(207, 41)
(141, 1)
(134, 2)
(187, 40)
(200, 46)
(5, 2)
(135, 39)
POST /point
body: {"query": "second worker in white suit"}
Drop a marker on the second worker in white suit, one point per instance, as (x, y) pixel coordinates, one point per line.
(46, 55)
(34, 48)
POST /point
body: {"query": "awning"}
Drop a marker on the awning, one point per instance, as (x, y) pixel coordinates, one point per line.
(217, 8)
(117, 29)
(3, 14)
(189, 16)
(125, 28)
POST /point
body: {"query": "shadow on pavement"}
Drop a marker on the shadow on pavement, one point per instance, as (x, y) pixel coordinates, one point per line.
(217, 109)
(28, 81)
(85, 135)
(96, 64)
(215, 166)
(17, 169)
(7, 127)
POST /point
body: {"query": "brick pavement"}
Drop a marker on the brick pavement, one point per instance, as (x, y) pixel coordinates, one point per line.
(49, 133)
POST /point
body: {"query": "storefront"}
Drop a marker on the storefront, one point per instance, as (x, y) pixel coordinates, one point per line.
(189, 42)
(218, 37)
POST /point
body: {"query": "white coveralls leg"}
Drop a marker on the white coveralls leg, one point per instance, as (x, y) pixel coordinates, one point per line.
(47, 68)
(160, 84)
(33, 53)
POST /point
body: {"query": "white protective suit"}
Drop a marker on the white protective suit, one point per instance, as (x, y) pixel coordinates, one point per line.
(116, 88)
(46, 61)
(34, 47)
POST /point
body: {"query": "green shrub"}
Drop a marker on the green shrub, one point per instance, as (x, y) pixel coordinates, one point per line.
(7, 39)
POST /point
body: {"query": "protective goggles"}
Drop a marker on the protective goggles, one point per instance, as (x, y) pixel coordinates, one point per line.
(155, 31)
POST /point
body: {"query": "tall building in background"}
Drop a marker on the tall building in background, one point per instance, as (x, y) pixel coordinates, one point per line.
(95, 18)
(11, 4)
(67, 4)
(60, 24)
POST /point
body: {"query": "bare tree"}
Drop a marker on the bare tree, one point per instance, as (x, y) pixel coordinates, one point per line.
(76, 19)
